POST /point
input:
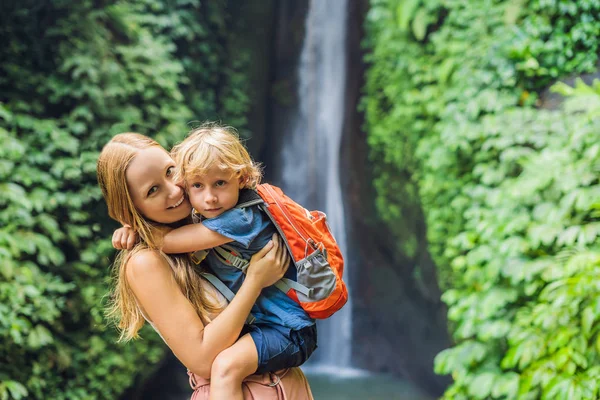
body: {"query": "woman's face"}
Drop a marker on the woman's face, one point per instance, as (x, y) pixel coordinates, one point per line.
(152, 189)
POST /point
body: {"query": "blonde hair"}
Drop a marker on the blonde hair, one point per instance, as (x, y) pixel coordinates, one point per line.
(213, 145)
(111, 170)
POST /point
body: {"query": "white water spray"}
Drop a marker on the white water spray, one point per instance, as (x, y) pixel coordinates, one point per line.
(310, 173)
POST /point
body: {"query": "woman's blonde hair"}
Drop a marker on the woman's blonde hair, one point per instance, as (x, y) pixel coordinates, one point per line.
(111, 170)
(213, 145)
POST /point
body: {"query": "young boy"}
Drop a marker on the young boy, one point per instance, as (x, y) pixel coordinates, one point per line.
(215, 167)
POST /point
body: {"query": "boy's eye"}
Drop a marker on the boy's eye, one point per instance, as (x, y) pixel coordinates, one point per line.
(170, 171)
(220, 183)
(197, 185)
(152, 190)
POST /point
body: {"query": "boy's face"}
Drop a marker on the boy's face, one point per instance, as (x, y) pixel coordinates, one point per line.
(214, 193)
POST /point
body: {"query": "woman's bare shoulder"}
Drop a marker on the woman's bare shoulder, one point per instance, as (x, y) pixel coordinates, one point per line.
(146, 263)
(144, 255)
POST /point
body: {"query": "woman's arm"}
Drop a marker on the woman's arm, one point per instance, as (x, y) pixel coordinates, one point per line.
(194, 344)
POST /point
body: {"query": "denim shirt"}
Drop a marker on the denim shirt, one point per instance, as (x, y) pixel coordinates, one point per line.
(251, 230)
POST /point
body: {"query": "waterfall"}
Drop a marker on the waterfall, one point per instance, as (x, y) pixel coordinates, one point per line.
(310, 153)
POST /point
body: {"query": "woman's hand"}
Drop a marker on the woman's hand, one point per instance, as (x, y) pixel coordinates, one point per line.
(269, 264)
(124, 238)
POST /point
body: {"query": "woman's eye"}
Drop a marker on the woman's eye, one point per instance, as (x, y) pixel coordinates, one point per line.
(152, 190)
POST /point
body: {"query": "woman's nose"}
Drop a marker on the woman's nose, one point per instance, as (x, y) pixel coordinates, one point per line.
(175, 191)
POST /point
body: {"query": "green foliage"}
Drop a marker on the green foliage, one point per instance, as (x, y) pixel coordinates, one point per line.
(472, 62)
(526, 312)
(510, 192)
(72, 75)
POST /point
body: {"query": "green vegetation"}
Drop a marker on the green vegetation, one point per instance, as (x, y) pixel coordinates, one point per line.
(72, 75)
(510, 191)
(459, 126)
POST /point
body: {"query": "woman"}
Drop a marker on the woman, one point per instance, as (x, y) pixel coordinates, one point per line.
(136, 177)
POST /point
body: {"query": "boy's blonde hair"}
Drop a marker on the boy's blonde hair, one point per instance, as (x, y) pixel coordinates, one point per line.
(213, 145)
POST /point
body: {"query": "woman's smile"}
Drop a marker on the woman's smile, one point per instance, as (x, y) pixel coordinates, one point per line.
(178, 203)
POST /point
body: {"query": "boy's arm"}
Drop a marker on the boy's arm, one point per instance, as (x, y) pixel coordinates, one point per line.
(192, 237)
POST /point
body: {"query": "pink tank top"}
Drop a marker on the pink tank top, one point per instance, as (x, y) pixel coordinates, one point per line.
(288, 384)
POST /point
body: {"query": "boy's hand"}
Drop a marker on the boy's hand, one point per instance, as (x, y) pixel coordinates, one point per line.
(269, 264)
(124, 238)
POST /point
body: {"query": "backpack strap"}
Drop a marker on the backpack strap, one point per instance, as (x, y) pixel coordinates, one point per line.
(225, 291)
(248, 197)
(284, 284)
(198, 256)
(228, 254)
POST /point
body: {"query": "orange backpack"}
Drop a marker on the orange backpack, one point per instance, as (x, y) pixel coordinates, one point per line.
(319, 288)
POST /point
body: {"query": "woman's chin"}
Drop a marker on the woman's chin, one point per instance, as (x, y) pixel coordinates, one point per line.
(184, 209)
(176, 214)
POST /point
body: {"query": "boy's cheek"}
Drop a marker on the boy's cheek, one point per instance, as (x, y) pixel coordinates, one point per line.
(193, 199)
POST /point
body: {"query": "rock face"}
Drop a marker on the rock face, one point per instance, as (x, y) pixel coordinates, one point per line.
(552, 101)
(282, 100)
(399, 323)
(253, 32)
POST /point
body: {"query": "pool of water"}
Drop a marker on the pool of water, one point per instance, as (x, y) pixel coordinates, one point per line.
(355, 385)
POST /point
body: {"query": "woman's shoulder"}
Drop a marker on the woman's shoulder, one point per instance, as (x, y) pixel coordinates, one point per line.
(145, 262)
(145, 256)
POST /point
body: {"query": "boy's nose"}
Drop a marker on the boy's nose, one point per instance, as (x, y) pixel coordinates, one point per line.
(210, 198)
